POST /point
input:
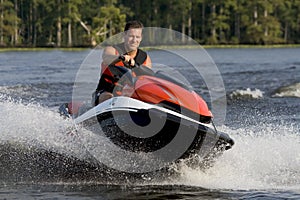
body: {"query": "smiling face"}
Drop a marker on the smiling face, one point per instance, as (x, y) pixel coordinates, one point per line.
(132, 39)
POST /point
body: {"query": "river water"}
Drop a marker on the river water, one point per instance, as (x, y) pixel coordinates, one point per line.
(38, 160)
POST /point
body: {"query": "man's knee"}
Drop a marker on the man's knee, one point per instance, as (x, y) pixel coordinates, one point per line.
(104, 96)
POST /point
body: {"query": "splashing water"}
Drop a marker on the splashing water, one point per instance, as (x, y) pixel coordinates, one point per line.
(35, 126)
(292, 90)
(264, 157)
(247, 94)
(268, 158)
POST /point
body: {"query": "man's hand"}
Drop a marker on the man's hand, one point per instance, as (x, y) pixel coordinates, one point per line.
(129, 60)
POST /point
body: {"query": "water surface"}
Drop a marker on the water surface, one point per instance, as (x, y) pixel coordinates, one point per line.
(263, 96)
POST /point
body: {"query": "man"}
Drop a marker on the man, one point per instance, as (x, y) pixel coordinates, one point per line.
(132, 54)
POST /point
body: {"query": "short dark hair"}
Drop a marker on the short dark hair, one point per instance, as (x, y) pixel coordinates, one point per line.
(133, 24)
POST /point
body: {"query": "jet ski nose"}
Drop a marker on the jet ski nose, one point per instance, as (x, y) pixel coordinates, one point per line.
(228, 141)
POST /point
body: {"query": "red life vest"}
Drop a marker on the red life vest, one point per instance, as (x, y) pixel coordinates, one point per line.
(107, 79)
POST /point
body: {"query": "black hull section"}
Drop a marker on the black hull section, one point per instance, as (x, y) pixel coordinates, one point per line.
(133, 131)
(122, 133)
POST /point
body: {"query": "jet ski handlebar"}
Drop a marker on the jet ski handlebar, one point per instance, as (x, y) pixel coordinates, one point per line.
(128, 64)
(138, 69)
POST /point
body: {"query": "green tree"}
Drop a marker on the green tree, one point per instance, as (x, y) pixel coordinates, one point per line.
(218, 21)
(285, 13)
(107, 19)
(110, 21)
(86, 22)
(71, 13)
(8, 23)
(270, 24)
(261, 27)
(295, 26)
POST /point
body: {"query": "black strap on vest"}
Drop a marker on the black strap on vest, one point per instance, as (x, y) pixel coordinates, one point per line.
(106, 82)
(140, 57)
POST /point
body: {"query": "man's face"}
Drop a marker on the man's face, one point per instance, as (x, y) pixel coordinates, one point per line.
(132, 39)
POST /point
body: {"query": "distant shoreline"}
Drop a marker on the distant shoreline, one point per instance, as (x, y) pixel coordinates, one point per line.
(9, 49)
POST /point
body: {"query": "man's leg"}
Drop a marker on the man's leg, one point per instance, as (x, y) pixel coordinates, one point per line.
(104, 96)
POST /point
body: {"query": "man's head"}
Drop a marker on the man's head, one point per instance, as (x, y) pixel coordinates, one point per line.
(133, 35)
(133, 24)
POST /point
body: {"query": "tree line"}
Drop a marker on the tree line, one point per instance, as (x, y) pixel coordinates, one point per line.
(71, 23)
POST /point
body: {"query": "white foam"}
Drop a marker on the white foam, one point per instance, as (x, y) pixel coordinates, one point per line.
(32, 125)
(269, 159)
(288, 91)
(247, 94)
(265, 156)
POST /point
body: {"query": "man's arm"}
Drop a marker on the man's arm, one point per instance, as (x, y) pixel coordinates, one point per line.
(109, 56)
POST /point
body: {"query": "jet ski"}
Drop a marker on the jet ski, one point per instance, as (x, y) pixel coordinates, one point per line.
(149, 111)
